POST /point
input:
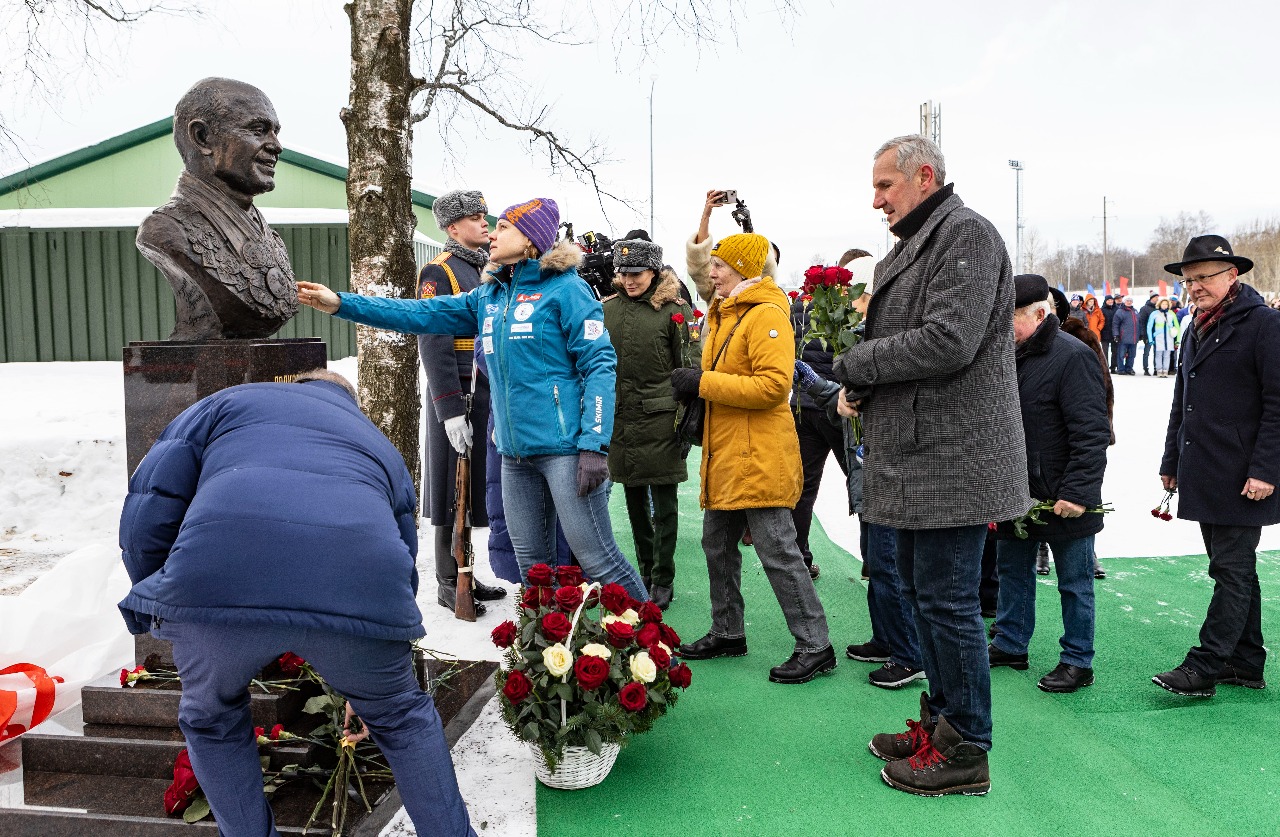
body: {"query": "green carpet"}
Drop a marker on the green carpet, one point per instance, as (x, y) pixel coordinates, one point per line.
(741, 755)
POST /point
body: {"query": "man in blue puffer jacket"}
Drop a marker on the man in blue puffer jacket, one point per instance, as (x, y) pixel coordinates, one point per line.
(270, 518)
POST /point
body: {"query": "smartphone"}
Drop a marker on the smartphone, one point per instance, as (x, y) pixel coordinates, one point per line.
(727, 196)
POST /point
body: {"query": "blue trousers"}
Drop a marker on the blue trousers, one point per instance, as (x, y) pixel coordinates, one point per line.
(216, 663)
(893, 624)
(1016, 614)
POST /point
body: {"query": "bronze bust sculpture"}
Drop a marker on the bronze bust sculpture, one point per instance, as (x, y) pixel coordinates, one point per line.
(229, 271)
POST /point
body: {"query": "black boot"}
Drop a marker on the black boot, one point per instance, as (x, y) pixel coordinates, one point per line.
(447, 572)
(445, 596)
(661, 596)
(1065, 679)
(1017, 662)
(711, 646)
(803, 666)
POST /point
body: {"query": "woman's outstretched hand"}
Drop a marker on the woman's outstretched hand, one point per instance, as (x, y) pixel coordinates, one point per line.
(318, 297)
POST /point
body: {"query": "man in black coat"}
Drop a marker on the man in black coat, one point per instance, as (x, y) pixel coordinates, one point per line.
(1144, 314)
(447, 362)
(1064, 419)
(1222, 454)
(1110, 345)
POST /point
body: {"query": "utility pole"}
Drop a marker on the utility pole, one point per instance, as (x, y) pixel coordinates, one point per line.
(653, 81)
(1104, 241)
(888, 245)
(1017, 174)
(931, 122)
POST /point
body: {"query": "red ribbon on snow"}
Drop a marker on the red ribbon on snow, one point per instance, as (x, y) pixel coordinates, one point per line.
(45, 689)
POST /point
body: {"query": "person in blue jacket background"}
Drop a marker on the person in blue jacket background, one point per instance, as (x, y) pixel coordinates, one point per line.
(551, 375)
(272, 518)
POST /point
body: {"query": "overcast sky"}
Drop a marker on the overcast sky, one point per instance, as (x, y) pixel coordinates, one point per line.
(1154, 105)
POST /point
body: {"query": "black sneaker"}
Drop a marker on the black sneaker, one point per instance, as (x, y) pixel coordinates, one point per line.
(889, 746)
(867, 652)
(1232, 676)
(947, 764)
(893, 676)
(1184, 680)
(997, 658)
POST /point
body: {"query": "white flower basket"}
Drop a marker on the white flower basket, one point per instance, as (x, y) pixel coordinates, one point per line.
(580, 768)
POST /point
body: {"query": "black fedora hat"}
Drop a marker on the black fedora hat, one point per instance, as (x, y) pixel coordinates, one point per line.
(1209, 248)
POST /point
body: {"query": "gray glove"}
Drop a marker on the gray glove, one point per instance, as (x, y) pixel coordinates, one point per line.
(593, 469)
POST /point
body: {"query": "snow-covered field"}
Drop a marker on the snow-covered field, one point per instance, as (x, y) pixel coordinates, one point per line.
(63, 480)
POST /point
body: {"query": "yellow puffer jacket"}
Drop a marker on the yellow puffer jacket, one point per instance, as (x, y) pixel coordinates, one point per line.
(750, 452)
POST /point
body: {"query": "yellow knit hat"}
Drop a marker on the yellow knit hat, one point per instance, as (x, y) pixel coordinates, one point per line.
(744, 252)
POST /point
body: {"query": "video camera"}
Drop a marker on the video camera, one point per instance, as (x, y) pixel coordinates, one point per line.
(597, 262)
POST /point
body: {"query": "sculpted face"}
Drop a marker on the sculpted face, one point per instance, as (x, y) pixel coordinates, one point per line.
(243, 147)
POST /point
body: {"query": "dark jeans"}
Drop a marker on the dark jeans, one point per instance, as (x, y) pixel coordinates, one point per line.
(1127, 352)
(1016, 618)
(653, 528)
(989, 587)
(1112, 352)
(940, 570)
(818, 439)
(893, 625)
(1232, 630)
(774, 538)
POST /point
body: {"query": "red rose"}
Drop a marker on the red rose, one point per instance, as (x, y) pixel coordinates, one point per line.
(649, 634)
(275, 732)
(591, 671)
(620, 634)
(568, 599)
(650, 612)
(290, 664)
(535, 597)
(504, 635)
(615, 598)
(669, 637)
(593, 597)
(660, 657)
(677, 318)
(517, 687)
(540, 575)
(697, 312)
(258, 732)
(633, 697)
(178, 795)
(681, 677)
(793, 294)
(569, 575)
(556, 626)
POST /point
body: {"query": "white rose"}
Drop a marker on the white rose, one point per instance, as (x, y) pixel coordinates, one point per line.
(665, 647)
(595, 649)
(642, 668)
(558, 660)
(630, 617)
(608, 618)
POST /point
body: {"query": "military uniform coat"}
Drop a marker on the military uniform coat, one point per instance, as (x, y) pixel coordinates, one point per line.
(942, 429)
(447, 362)
(649, 343)
(1224, 425)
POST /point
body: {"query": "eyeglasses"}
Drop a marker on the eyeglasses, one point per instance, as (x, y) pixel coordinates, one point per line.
(1191, 281)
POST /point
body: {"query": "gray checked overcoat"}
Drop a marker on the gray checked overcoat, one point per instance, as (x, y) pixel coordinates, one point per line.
(942, 425)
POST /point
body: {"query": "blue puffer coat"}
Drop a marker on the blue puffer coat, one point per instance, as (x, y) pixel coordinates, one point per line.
(551, 364)
(273, 504)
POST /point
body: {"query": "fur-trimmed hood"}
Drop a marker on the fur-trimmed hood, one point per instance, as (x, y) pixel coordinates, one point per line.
(561, 258)
(666, 289)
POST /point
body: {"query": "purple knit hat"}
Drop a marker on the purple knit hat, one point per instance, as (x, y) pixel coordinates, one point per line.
(538, 219)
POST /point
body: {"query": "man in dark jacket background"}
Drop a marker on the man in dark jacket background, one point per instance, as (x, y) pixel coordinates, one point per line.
(1222, 455)
(1064, 419)
(1144, 314)
(272, 518)
(1108, 335)
(944, 448)
(1126, 327)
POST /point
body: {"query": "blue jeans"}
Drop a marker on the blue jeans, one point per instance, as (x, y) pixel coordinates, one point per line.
(538, 490)
(1016, 614)
(893, 624)
(1127, 351)
(216, 663)
(940, 570)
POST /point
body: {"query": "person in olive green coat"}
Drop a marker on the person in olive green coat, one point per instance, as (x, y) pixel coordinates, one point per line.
(648, 323)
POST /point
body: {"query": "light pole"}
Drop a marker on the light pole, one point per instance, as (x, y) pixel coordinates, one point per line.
(653, 82)
(1017, 173)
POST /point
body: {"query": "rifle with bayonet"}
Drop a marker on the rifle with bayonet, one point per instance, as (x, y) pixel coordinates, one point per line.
(464, 603)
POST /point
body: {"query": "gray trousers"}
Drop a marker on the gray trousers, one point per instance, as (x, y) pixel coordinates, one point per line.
(773, 534)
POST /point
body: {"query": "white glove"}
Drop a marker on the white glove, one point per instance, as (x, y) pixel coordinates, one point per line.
(459, 430)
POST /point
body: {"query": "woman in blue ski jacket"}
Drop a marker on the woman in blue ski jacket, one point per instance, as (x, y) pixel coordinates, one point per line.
(551, 375)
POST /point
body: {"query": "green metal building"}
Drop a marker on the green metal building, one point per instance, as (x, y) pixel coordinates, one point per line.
(74, 287)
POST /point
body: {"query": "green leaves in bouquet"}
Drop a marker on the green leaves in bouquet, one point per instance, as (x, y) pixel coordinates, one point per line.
(832, 317)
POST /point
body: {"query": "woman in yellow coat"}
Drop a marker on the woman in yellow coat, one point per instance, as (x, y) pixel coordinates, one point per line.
(751, 473)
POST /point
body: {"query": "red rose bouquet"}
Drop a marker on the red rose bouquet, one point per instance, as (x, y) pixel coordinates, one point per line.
(828, 294)
(585, 665)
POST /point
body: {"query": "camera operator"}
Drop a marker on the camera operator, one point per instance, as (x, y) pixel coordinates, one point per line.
(698, 249)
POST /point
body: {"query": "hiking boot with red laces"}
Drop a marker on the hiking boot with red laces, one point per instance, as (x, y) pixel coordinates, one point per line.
(947, 764)
(891, 746)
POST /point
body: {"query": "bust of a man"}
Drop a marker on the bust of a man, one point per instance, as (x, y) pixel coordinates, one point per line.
(229, 271)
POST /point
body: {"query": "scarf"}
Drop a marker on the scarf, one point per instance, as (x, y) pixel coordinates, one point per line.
(1209, 318)
(476, 258)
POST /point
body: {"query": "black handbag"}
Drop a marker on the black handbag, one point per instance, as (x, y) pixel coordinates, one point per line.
(689, 430)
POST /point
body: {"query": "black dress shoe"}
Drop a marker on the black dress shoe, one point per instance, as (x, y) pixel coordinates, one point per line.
(814, 571)
(1232, 676)
(445, 593)
(1065, 679)
(661, 596)
(1186, 681)
(1017, 662)
(711, 646)
(803, 666)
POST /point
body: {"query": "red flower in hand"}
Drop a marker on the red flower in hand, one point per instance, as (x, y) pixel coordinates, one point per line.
(540, 575)
(556, 626)
(517, 687)
(681, 676)
(591, 671)
(615, 598)
(178, 795)
(290, 663)
(569, 575)
(677, 318)
(620, 634)
(793, 294)
(633, 697)
(568, 598)
(1155, 512)
(697, 312)
(504, 635)
(1166, 516)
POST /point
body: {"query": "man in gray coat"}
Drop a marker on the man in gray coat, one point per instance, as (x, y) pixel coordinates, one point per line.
(936, 382)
